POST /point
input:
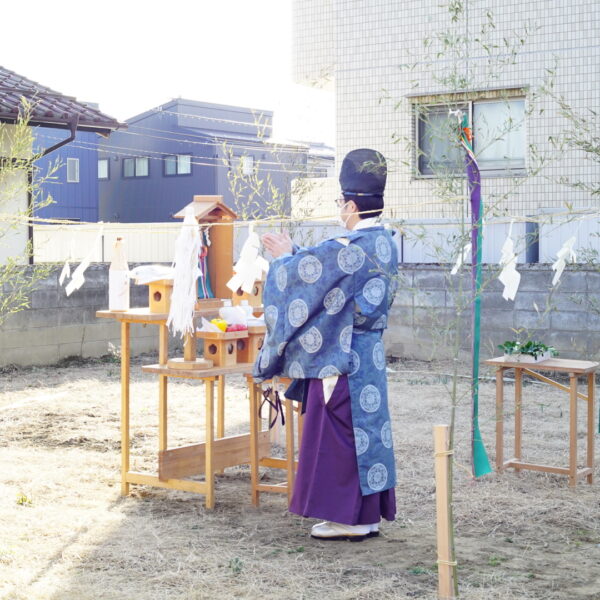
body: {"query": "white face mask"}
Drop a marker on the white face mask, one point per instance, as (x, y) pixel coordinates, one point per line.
(343, 221)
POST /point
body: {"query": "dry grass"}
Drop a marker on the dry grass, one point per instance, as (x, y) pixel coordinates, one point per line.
(66, 533)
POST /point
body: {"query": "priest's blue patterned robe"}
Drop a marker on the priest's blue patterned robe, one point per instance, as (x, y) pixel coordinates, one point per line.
(326, 308)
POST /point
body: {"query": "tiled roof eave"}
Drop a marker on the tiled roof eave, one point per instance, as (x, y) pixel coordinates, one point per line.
(47, 107)
(63, 123)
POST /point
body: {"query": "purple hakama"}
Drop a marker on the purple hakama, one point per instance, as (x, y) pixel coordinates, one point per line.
(327, 484)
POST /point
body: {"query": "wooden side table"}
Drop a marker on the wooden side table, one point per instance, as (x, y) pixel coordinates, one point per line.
(175, 464)
(260, 455)
(205, 458)
(575, 369)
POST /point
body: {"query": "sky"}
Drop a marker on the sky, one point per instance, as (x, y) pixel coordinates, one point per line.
(130, 55)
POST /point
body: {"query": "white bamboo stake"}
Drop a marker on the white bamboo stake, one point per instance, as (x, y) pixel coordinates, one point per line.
(446, 563)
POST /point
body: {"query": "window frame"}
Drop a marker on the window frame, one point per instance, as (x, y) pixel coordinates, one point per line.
(107, 169)
(485, 173)
(417, 134)
(135, 174)
(73, 160)
(177, 173)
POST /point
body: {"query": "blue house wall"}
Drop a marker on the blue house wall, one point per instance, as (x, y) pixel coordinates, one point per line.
(216, 136)
(157, 197)
(75, 201)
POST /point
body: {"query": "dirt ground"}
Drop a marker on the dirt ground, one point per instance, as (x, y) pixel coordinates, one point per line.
(66, 533)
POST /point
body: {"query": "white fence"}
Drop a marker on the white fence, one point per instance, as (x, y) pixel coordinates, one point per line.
(587, 239)
(433, 241)
(145, 242)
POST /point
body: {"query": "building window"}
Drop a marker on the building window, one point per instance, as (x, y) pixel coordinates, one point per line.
(103, 168)
(136, 167)
(178, 164)
(247, 165)
(72, 170)
(498, 137)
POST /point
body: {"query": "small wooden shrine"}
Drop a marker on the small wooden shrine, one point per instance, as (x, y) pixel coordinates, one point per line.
(210, 210)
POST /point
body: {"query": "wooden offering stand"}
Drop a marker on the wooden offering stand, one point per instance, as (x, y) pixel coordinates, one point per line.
(575, 369)
(248, 348)
(159, 301)
(254, 298)
(189, 360)
(159, 296)
(221, 347)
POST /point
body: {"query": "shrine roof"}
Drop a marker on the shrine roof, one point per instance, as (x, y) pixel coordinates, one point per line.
(208, 208)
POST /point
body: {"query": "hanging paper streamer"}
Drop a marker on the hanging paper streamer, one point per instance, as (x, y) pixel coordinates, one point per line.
(509, 276)
(563, 256)
(250, 266)
(185, 276)
(65, 273)
(460, 259)
(481, 463)
(78, 279)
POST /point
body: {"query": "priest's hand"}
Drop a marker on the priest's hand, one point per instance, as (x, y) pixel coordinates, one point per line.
(277, 244)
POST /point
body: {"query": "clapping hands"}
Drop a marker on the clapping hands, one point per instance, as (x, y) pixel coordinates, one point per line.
(277, 244)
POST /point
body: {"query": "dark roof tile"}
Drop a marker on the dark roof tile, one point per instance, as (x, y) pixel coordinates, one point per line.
(48, 108)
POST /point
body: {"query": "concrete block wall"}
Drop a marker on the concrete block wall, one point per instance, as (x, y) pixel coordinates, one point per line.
(57, 326)
(423, 321)
(429, 307)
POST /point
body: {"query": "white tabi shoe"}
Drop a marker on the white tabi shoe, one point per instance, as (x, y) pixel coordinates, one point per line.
(328, 530)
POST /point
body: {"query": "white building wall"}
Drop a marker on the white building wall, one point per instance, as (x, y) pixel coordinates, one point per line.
(313, 35)
(373, 39)
(13, 201)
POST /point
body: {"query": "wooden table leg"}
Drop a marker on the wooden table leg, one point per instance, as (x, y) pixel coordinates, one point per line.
(500, 419)
(125, 361)
(163, 357)
(518, 414)
(221, 406)
(221, 410)
(209, 471)
(290, 461)
(253, 390)
(573, 430)
(591, 424)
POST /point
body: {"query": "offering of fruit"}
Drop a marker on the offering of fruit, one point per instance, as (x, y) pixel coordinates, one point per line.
(220, 323)
(237, 327)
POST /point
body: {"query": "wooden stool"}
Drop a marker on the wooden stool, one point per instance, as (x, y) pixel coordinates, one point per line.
(575, 369)
(257, 458)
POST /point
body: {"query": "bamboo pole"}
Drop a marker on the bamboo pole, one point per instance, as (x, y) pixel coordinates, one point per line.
(445, 549)
(590, 425)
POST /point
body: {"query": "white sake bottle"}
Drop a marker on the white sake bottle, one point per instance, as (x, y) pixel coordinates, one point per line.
(118, 279)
